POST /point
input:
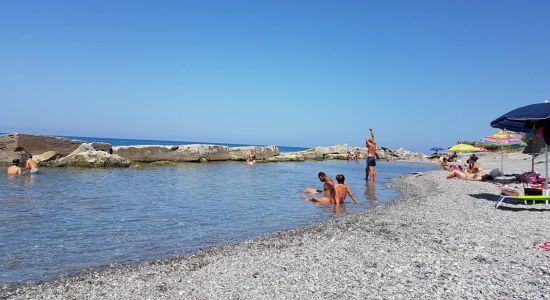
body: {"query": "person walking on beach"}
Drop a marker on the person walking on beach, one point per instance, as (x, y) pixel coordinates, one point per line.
(330, 194)
(31, 165)
(371, 158)
(343, 190)
(14, 169)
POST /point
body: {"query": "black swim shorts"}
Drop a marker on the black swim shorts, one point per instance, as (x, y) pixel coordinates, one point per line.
(371, 162)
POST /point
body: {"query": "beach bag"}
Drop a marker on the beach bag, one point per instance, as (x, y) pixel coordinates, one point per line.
(495, 173)
(529, 178)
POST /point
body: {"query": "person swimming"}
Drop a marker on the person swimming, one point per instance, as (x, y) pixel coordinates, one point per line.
(343, 189)
(14, 169)
(251, 159)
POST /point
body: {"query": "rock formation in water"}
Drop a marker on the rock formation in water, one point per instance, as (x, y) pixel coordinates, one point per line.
(62, 152)
(86, 156)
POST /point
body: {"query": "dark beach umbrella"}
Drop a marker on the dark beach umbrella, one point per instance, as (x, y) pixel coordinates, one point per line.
(437, 149)
(524, 119)
(528, 119)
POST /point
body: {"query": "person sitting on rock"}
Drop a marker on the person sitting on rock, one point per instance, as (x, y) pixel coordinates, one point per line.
(31, 165)
(14, 169)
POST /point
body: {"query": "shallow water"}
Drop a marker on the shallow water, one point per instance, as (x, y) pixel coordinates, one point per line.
(67, 220)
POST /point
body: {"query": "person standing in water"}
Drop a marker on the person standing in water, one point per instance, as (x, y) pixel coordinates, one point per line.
(370, 170)
(31, 165)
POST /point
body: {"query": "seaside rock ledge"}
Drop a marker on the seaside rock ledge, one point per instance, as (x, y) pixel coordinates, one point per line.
(86, 156)
(17, 146)
(192, 153)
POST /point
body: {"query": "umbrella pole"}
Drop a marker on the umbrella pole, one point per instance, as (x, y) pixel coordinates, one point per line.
(546, 168)
(501, 160)
(533, 162)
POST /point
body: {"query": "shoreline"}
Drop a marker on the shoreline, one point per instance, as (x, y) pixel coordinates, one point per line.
(439, 238)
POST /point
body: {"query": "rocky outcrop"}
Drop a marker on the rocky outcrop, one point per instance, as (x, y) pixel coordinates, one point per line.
(18, 145)
(101, 146)
(45, 158)
(241, 153)
(192, 153)
(36, 144)
(56, 151)
(86, 156)
(8, 148)
(340, 152)
(404, 154)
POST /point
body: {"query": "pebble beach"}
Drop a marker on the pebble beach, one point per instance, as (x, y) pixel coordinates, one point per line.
(440, 239)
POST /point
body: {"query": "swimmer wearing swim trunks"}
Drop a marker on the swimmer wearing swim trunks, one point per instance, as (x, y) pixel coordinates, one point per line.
(31, 165)
(371, 160)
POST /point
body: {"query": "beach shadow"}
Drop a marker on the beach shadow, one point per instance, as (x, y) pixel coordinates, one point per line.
(523, 207)
(505, 180)
(486, 196)
(518, 205)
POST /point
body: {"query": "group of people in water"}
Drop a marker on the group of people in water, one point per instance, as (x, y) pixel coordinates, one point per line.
(332, 193)
(336, 193)
(31, 167)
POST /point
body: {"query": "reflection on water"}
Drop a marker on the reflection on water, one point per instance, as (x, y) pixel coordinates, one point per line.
(370, 191)
(66, 220)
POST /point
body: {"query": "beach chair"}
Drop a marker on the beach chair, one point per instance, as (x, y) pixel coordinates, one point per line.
(525, 199)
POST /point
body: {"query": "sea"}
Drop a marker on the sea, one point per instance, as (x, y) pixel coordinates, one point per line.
(64, 221)
(132, 142)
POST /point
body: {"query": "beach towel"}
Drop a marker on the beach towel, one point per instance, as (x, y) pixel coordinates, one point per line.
(544, 246)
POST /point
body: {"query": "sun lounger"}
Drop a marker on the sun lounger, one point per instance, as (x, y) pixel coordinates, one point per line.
(525, 199)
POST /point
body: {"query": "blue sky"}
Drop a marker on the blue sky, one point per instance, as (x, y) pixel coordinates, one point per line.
(297, 73)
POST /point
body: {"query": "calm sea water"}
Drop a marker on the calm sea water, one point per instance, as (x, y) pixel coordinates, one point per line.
(131, 142)
(68, 220)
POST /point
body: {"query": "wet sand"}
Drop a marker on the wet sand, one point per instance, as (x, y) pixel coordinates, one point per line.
(440, 239)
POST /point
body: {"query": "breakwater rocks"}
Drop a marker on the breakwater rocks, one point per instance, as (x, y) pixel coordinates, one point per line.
(191, 153)
(62, 152)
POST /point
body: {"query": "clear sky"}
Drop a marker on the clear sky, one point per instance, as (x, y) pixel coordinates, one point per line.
(296, 73)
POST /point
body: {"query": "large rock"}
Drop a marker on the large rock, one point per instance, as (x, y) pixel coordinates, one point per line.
(8, 148)
(86, 156)
(241, 153)
(46, 157)
(190, 153)
(381, 154)
(101, 146)
(17, 145)
(322, 153)
(36, 144)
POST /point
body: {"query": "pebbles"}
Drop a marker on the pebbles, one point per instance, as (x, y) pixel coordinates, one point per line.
(441, 239)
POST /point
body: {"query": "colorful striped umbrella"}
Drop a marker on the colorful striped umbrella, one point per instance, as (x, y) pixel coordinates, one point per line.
(503, 138)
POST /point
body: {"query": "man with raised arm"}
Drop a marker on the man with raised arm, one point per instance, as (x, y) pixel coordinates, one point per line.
(370, 170)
